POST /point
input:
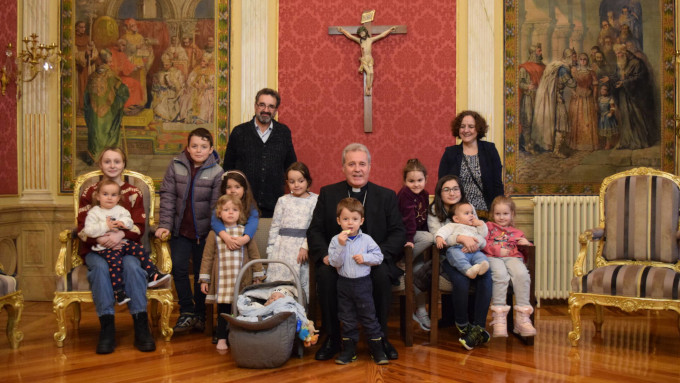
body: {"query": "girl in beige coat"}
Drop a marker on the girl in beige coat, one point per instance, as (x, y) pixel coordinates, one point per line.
(220, 266)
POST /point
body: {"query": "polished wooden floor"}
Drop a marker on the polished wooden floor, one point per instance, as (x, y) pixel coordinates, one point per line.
(632, 347)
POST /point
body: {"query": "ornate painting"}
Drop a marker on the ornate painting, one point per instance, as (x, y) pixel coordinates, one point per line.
(141, 75)
(589, 92)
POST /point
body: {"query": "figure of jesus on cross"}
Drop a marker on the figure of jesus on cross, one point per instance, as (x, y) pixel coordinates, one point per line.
(366, 41)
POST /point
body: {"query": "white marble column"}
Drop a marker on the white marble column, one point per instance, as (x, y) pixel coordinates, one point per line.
(481, 60)
(254, 58)
(36, 142)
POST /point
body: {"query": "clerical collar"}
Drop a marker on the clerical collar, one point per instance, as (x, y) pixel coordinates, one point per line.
(358, 193)
(357, 190)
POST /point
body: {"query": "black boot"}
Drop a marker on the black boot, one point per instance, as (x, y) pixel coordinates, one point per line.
(143, 339)
(375, 347)
(328, 350)
(348, 353)
(390, 351)
(107, 335)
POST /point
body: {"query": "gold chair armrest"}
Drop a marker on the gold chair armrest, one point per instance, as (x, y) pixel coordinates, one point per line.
(64, 238)
(585, 238)
(162, 247)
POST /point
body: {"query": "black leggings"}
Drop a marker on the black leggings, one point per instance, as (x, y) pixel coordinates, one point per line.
(222, 330)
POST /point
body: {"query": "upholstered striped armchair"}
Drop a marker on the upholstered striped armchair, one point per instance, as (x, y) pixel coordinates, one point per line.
(636, 262)
(11, 299)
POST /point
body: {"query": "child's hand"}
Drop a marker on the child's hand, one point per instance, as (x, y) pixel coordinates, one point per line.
(204, 288)
(326, 261)
(477, 222)
(303, 255)
(524, 241)
(111, 223)
(358, 258)
(441, 243)
(243, 240)
(505, 252)
(119, 225)
(342, 237)
(229, 240)
(409, 244)
(162, 233)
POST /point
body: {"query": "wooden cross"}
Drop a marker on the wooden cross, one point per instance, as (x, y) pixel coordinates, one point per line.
(366, 58)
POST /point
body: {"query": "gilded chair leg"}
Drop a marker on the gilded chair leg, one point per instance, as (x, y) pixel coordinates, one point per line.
(14, 309)
(599, 318)
(76, 315)
(165, 301)
(60, 313)
(575, 311)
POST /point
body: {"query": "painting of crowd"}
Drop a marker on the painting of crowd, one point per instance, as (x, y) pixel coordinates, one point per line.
(170, 73)
(126, 67)
(604, 98)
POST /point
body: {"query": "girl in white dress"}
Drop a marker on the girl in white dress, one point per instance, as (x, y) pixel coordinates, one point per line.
(288, 232)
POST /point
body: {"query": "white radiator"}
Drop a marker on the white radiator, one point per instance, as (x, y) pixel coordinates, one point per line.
(558, 221)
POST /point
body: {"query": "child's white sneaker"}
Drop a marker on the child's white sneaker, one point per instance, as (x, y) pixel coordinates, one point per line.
(422, 318)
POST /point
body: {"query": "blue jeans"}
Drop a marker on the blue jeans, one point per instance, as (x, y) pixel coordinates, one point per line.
(183, 250)
(461, 293)
(463, 261)
(134, 277)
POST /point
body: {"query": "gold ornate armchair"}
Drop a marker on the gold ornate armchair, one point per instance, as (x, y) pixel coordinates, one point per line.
(72, 284)
(11, 299)
(636, 261)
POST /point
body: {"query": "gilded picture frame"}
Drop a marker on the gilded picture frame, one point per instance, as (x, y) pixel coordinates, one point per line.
(592, 123)
(174, 65)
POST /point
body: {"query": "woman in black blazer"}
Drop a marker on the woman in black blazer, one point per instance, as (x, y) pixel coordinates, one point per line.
(474, 161)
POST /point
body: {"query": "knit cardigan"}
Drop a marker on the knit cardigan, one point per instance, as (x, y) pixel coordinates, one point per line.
(264, 164)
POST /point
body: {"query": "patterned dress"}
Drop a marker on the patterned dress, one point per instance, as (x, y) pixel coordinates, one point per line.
(472, 192)
(230, 263)
(288, 233)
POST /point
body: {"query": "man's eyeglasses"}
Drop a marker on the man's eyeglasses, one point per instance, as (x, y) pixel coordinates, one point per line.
(262, 105)
(451, 190)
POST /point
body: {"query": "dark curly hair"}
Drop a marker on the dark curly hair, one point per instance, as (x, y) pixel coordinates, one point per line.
(480, 124)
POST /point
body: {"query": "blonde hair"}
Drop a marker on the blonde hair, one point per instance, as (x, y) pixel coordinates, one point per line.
(503, 200)
(242, 218)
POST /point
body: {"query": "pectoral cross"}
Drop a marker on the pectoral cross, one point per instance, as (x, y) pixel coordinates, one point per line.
(366, 40)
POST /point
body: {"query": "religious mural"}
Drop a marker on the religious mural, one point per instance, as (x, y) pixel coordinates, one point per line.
(590, 91)
(140, 75)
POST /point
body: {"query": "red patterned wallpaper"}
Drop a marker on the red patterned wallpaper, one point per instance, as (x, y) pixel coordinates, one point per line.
(414, 88)
(8, 105)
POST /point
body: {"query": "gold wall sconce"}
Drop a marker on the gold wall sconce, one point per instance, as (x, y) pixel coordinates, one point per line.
(34, 58)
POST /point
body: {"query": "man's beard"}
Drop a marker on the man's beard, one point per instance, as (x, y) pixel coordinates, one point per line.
(621, 62)
(264, 118)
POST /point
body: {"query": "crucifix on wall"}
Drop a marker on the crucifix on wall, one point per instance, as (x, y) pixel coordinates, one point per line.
(365, 40)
